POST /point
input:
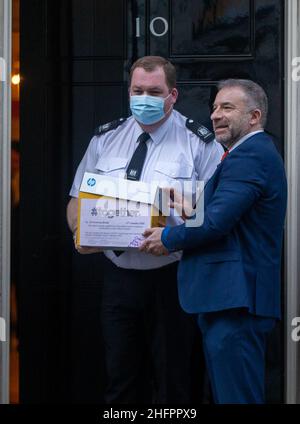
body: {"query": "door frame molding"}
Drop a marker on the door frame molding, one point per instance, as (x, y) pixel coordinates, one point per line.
(5, 185)
(292, 234)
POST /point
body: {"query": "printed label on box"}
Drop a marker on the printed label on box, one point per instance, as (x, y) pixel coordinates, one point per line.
(109, 222)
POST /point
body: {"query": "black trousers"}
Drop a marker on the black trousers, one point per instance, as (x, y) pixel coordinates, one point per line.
(148, 338)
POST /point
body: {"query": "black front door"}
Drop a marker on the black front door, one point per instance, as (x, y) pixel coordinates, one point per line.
(75, 58)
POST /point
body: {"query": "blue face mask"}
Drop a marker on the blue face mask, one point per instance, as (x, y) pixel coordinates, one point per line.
(147, 109)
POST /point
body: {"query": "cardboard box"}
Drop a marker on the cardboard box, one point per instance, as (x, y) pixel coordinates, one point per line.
(113, 212)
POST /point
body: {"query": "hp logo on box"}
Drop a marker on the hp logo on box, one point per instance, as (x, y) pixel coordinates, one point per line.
(91, 182)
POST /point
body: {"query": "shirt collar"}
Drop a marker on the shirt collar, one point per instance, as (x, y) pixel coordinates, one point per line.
(159, 133)
(244, 139)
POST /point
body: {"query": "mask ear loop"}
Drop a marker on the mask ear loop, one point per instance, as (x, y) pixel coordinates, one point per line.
(171, 107)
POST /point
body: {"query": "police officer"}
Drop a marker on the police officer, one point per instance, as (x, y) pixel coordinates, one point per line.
(141, 317)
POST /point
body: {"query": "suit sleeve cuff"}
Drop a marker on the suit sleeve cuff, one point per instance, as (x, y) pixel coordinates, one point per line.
(167, 239)
(164, 235)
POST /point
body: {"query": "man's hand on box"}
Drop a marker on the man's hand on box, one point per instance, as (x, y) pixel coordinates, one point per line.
(83, 250)
(153, 243)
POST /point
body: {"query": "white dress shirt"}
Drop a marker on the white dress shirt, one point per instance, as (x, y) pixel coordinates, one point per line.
(241, 140)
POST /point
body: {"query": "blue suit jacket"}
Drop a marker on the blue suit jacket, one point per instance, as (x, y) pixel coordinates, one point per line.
(233, 259)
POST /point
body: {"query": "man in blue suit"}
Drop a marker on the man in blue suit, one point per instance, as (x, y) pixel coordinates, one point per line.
(230, 269)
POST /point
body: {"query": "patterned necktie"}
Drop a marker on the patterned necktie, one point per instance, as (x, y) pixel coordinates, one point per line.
(135, 167)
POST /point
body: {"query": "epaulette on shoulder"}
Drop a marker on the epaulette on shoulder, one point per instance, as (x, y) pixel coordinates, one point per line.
(102, 129)
(202, 132)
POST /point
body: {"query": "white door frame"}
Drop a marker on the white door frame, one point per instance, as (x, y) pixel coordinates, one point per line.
(292, 234)
(5, 150)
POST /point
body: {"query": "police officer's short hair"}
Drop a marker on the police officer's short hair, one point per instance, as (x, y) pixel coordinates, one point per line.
(256, 95)
(150, 63)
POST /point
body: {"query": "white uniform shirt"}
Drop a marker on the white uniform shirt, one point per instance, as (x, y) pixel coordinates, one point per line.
(175, 154)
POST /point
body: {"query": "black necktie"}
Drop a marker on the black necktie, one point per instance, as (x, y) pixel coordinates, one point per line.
(135, 167)
(136, 164)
